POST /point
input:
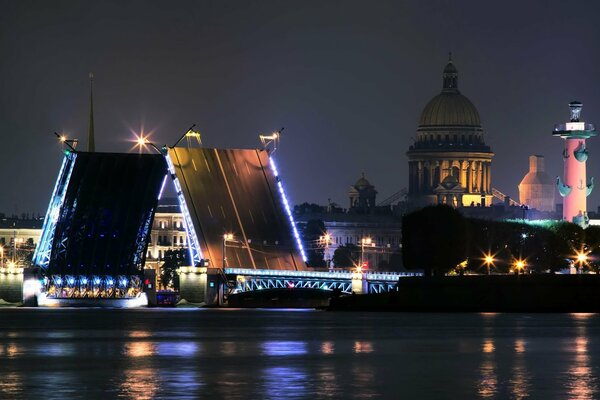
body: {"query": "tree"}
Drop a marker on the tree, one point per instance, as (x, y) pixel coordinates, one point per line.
(346, 255)
(168, 271)
(311, 235)
(434, 239)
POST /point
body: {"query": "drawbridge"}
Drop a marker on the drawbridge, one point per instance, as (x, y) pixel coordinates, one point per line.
(240, 229)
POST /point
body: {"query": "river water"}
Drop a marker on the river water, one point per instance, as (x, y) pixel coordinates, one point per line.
(296, 354)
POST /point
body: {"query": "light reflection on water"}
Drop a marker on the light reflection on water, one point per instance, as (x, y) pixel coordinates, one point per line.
(251, 354)
(520, 381)
(581, 381)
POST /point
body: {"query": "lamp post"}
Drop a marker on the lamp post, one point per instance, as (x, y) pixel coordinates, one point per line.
(226, 237)
(364, 241)
(489, 262)
(519, 265)
(142, 141)
(581, 257)
(326, 241)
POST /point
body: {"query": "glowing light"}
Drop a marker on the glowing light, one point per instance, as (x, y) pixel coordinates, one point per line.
(194, 248)
(582, 257)
(228, 237)
(162, 187)
(63, 138)
(288, 210)
(41, 256)
(141, 141)
(489, 260)
(71, 281)
(520, 265)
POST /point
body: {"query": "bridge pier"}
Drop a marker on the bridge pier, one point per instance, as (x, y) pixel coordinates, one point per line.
(202, 285)
(360, 284)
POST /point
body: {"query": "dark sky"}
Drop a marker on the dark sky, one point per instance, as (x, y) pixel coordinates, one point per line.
(347, 80)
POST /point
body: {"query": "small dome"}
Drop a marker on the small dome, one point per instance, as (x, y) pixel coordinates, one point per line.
(450, 68)
(362, 182)
(450, 108)
(450, 182)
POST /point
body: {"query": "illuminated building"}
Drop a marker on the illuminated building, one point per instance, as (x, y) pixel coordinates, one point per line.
(168, 233)
(575, 187)
(536, 190)
(363, 219)
(449, 162)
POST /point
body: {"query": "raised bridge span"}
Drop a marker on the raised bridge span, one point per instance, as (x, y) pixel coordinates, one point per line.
(241, 233)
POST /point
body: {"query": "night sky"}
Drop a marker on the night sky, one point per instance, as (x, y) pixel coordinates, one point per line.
(347, 80)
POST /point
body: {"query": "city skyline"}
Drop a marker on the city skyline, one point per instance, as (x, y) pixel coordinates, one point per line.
(347, 82)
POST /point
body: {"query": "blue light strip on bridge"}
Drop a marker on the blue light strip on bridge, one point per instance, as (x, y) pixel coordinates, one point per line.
(194, 244)
(375, 276)
(41, 256)
(287, 209)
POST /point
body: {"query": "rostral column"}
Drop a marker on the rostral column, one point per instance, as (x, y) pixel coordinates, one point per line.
(575, 189)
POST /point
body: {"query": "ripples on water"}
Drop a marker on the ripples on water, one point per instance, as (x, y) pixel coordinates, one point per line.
(259, 354)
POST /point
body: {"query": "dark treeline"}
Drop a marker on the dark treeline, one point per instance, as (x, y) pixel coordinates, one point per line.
(438, 239)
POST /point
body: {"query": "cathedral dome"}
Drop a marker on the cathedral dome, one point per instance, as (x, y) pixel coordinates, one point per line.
(450, 108)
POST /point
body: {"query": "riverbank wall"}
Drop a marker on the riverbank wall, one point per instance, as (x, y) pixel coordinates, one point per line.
(477, 293)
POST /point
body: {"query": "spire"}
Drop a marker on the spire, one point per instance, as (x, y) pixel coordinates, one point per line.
(450, 76)
(91, 144)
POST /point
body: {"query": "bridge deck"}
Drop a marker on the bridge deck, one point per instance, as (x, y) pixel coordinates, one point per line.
(235, 191)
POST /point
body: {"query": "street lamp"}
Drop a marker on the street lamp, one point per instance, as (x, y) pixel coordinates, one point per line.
(364, 241)
(582, 258)
(228, 237)
(142, 141)
(489, 260)
(326, 240)
(519, 265)
(70, 143)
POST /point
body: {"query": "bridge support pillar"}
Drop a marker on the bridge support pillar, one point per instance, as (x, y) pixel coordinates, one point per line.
(202, 285)
(150, 286)
(360, 285)
(32, 287)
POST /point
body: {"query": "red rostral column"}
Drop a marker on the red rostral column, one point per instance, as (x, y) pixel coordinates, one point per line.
(575, 189)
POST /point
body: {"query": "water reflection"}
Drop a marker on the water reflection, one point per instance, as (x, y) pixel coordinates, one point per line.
(363, 381)
(10, 385)
(10, 350)
(177, 349)
(327, 347)
(285, 382)
(284, 348)
(139, 349)
(520, 381)
(228, 349)
(139, 383)
(488, 381)
(581, 381)
(328, 385)
(363, 347)
(57, 349)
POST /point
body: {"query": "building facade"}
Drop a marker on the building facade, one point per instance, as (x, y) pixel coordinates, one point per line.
(449, 162)
(168, 233)
(375, 231)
